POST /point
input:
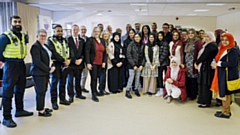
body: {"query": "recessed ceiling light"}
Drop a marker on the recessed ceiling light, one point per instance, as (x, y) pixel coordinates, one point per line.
(191, 14)
(138, 4)
(99, 14)
(46, 3)
(66, 4)
(215, 4)
(201, 10)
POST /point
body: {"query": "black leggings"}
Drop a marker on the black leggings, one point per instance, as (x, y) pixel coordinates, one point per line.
(160, 76)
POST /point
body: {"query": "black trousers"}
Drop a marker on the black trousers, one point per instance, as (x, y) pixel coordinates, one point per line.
(94, 73)
(75, 75)
(125, 74)
(115, 79)
(192, 88)
(160, 76)
(59, 77)
(41, 84)
(204, 94)
(14, 80)
(102, 79)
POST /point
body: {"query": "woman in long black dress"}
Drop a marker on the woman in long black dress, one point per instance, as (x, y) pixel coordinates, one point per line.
(206, 73)
(115, 65)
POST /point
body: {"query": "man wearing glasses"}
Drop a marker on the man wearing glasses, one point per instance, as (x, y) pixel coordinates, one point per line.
(167, 35)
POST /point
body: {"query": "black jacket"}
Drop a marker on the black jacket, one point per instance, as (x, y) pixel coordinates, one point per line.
(206, 72)
(90, 51)
(163, 53)
(134, 57)
(40, 60)
(76, 53)
(168, 37)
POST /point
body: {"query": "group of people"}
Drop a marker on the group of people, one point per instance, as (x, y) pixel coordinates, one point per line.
(173, 63)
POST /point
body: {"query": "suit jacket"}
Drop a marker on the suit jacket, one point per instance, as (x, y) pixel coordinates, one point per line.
(90, 51)
(76, 53)
(40, 60)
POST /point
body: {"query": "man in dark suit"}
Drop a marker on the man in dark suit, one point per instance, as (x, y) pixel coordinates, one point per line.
(76, 46)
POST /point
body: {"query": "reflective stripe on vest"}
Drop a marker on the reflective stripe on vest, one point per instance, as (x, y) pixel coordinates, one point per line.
(17, 49)
(63, 50)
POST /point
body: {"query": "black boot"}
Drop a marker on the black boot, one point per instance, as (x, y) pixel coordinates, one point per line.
(103, 92)
(128, 95)
(9, 123)
(94, 98)
(137, 93)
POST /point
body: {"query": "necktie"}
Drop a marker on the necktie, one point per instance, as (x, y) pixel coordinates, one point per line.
(77, 44)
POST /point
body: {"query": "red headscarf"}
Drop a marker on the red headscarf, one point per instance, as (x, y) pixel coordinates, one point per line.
(222, 49)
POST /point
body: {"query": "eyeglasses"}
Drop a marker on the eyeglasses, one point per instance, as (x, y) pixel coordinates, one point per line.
(43, 35)
(225, 40)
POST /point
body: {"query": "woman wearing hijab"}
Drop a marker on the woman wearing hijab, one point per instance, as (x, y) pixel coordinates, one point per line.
(192, 48)
(176, 47)
(115, 70)
(175, 80)
(150, 70)
(227, 57)
(163, 59)
(206, 73)
(135, 57)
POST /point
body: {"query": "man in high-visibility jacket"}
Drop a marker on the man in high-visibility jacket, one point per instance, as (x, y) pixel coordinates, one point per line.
(60, 55)
(12, 53)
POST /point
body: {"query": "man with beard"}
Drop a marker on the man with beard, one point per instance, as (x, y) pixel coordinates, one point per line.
(12, 53)
(60, 55)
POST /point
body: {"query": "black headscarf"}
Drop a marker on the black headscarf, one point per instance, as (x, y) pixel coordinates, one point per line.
(150, 46)
(118, 46)
(113, 36)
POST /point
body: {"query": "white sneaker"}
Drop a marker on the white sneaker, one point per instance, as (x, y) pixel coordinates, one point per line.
(159, 93)
(168, 99)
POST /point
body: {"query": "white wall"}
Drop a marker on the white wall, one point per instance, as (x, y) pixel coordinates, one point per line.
(231, 23)
(90, 20)
(46, 13)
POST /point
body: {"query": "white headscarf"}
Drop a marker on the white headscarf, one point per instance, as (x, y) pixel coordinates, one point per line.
(174, 70)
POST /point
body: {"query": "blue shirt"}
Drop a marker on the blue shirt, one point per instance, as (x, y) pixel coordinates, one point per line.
(124, 37)
(4, 40)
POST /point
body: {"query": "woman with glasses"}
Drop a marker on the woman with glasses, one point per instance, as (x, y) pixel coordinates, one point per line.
(96, 59)
(227, 57)
(135, 57)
